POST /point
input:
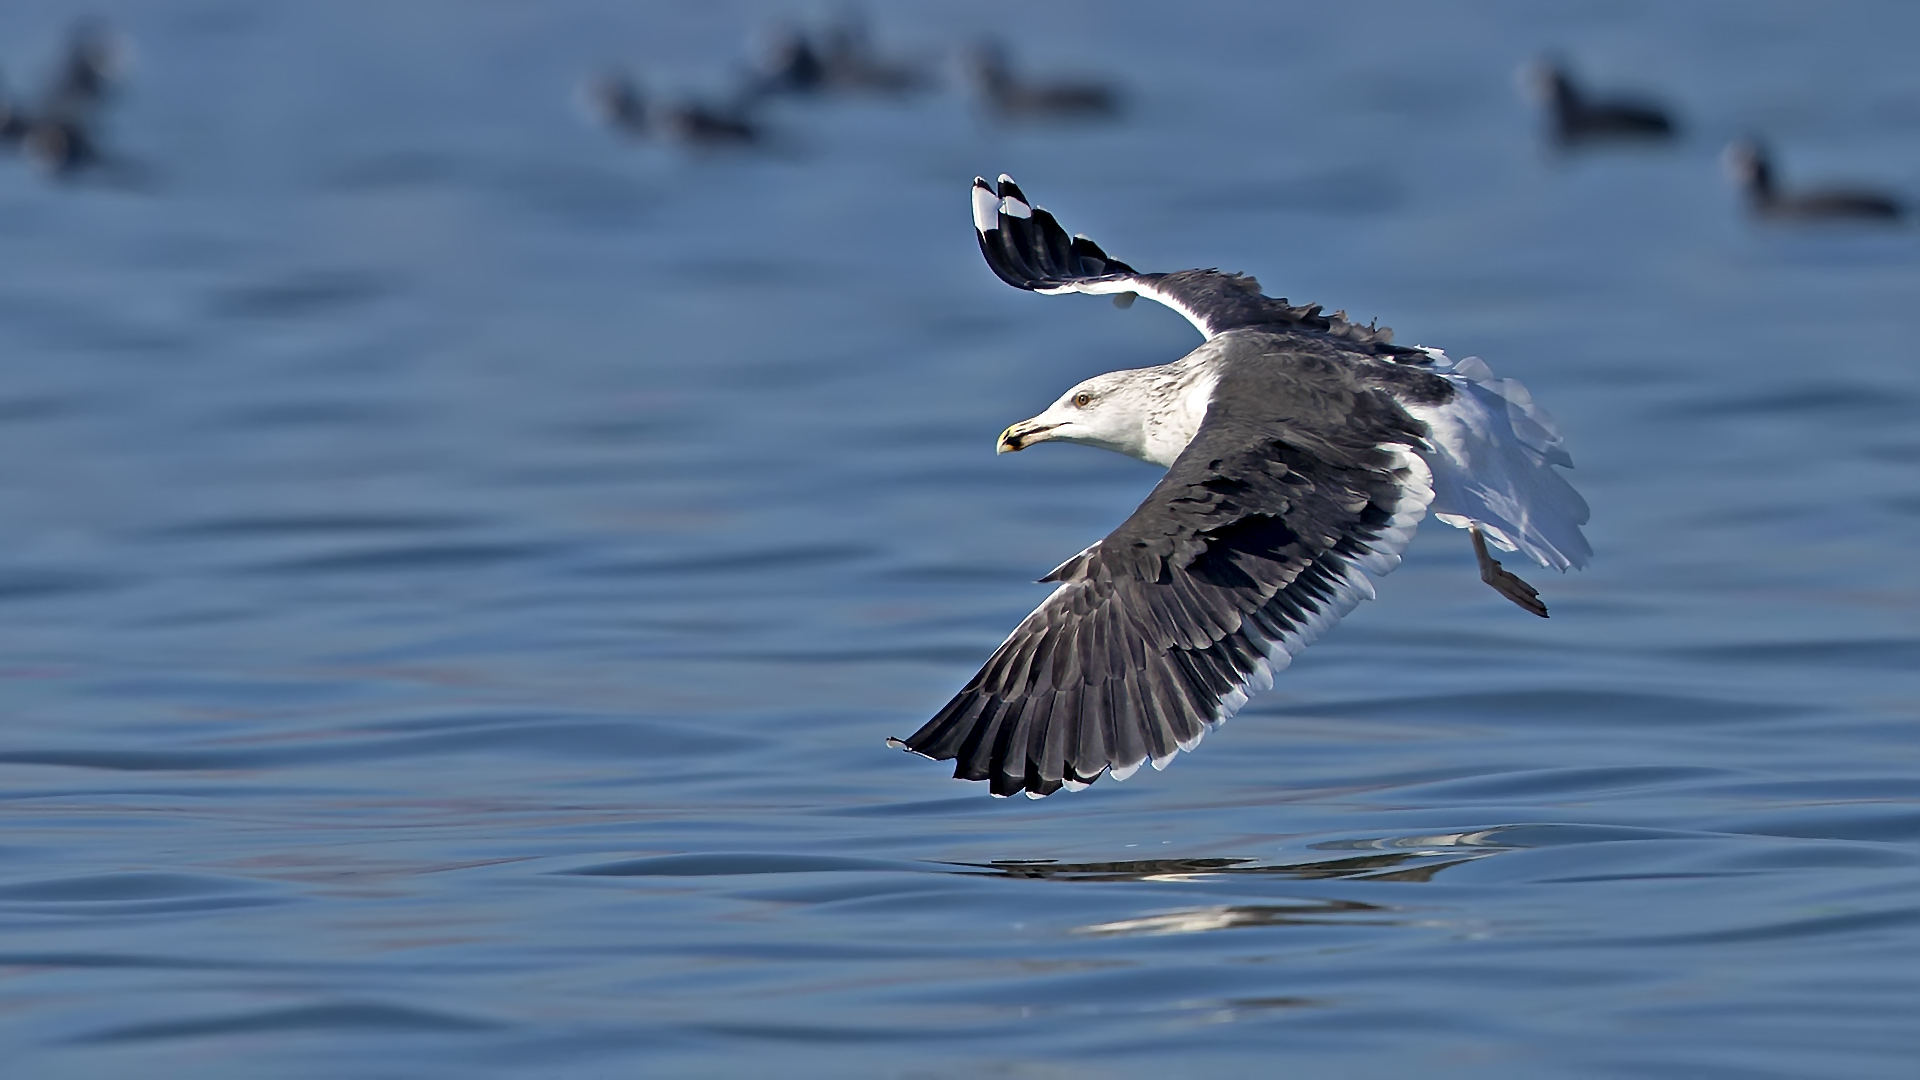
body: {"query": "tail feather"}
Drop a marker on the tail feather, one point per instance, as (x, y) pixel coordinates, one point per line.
(1493, 456)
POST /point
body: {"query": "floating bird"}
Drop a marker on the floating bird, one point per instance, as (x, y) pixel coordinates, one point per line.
(86, 76)
(61, 146)
(59, 132)
(791, 66)
(1007, 96)
(1301, 452)
(1750, 166)
(842, 60)
(852, 63)
(1577, 118)
(621, 107)
(14, 122)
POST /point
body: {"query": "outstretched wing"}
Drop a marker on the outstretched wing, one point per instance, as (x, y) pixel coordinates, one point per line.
(1258, 539)
(1029, 250)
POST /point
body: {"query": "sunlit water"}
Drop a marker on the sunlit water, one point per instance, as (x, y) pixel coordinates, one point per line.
(460, 570)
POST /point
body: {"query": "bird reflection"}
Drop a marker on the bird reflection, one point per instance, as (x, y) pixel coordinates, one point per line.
(1750, 167)
(1385, 866)
(1577, 118)
(1238, 916)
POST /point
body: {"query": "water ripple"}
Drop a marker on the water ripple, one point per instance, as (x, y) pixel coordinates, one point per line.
(363, 1017)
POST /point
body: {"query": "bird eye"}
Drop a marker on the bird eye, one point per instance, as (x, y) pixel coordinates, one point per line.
(1082, 400)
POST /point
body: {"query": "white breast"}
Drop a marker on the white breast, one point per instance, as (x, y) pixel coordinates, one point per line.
(1171, 425)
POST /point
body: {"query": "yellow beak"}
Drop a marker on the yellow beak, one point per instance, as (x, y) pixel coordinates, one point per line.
(1022, 435)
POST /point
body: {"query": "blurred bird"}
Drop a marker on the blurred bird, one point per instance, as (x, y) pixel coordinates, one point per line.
(791, 65)
(841, 59)
(59, 134)
(1749, 166)
(620, 105)
(13, 119)
(852, 63)
(1577, 118)
(87, 74)
(61, 146)
(1007, 96)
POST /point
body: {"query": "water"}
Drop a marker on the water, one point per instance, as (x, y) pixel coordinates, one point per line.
(460, 570)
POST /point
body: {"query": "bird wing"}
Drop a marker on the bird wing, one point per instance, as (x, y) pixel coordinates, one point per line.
(1029, 250)
(1256, 540)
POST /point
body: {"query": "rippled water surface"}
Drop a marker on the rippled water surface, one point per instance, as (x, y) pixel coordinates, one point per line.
(460, 570)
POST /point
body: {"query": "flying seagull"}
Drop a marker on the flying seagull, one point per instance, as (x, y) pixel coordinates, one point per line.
(1301, 452)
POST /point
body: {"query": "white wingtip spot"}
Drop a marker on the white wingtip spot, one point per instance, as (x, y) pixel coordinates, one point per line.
(1160, 763)
(986, 209)
(1074, 785)
(1013, 207)
(1121, 772)
(1032, 794)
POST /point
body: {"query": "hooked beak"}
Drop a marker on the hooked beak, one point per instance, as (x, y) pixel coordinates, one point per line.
(1022, 435)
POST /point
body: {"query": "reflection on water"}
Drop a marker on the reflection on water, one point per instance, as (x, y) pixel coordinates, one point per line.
(1408, 866)
(459, 569)
(1234, 916)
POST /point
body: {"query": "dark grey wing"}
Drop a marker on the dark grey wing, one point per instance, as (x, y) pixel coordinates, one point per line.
(1254, 543)
(1028, 249)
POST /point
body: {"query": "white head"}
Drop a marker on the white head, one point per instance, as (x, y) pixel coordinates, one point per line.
(1137, 413)
(1543, 81)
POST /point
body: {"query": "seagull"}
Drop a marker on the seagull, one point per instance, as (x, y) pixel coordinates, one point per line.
(1578, 118)
(1301, 449)
(1007, 96)
(1750, 166)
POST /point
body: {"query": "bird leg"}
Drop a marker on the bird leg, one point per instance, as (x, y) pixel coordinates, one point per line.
(1506, 584)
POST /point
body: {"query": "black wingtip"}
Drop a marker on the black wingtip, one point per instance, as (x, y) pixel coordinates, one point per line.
(1026, 247)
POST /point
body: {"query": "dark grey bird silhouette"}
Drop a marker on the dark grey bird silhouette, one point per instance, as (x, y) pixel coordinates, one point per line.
(86, 77)
(14, 120)
(59, 132)
(1750, 167)
(791, 65)
(853, 64)
(62, 147)
(1575, 118)
(841, 59)
(620, 104)
(1009, 96)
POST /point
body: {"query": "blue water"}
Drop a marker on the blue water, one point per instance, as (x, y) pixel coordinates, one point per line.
(459, 569)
